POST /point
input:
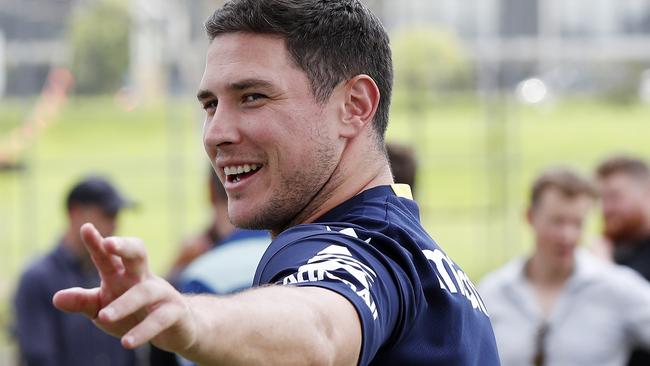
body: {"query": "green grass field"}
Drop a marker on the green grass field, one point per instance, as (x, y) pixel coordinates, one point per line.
(472, 183)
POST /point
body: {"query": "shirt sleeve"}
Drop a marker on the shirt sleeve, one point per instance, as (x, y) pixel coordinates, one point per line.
(34, 325)
(349, 267)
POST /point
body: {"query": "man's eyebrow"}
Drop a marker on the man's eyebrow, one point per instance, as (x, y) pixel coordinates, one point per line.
(237, 86)
(204, 94)
(250, 83)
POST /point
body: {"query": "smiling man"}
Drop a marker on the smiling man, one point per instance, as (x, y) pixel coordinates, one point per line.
(296, 95)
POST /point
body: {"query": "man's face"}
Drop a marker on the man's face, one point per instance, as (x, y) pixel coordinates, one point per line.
(623, 200)
(271, 143)
(105, 222)
(557, 221)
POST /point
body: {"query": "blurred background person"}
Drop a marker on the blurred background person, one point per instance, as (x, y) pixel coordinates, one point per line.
(219, 259)
(624, 182)
(561, 305)
(216, 230)
(403, 163)
(230, 264)
(45, 335)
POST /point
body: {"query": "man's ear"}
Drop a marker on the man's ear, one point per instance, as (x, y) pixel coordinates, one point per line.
(529, 215)
(361, 101)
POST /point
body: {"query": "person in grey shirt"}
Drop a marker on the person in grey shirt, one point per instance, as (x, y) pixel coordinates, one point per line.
(562, 306)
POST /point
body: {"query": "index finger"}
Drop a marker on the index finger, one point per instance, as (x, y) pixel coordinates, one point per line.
(106, 263)
(132, 253)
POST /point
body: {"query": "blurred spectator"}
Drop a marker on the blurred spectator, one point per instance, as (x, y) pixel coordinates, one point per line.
(230, 265)
(217, 229)
(624, 182)
(216, 270)
(45, 335)
(562, 305)
(403, 163)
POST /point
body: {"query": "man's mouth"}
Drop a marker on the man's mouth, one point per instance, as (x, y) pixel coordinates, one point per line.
(235, 173)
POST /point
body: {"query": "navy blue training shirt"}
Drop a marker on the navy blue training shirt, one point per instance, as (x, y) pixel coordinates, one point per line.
(416, 306)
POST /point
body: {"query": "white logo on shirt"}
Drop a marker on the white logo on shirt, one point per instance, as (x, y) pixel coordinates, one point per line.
(338, 258)
(465, 286)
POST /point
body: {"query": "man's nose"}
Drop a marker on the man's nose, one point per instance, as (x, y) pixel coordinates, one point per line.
(570, 234)
(222, 127)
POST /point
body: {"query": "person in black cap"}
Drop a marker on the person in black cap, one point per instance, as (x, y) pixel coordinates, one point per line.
(45, 335)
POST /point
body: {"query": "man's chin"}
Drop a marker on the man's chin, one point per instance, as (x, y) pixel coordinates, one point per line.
(255, 222)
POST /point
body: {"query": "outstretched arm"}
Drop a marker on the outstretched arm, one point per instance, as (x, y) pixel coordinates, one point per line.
(270, 325)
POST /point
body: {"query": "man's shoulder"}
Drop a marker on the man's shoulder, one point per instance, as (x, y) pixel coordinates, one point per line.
(41, 267)
(304, 232)
(609, 276)
(40, 275)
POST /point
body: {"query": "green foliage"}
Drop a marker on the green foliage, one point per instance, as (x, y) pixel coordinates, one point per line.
(99, 38)
(428, 63)
(623, 88)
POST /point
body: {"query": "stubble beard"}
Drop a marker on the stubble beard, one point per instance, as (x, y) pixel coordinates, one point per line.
(299, 194)
(622, 230)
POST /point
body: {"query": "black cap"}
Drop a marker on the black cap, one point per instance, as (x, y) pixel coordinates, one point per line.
(96, 190)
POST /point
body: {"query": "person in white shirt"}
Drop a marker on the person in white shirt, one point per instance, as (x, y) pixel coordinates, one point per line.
(562, 306)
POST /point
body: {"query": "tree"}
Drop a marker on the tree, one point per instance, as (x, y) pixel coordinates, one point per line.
(99, 38)
(428, 63)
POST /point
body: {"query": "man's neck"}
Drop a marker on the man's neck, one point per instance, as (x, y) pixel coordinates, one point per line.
(546, 273)
(547, 279)
(348, 180)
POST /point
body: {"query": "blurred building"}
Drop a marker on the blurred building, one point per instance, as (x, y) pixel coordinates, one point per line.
(577, 44)
(167, 43)
(510, 39)
(34, 40)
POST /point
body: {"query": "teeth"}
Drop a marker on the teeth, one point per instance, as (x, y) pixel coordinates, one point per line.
(239, 169)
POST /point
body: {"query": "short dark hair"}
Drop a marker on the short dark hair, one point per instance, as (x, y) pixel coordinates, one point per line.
(402, 163)
(96, 190)
(623, 164)
(330, 40)
(566, 180)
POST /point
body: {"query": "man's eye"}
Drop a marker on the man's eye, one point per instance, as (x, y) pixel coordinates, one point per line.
(210, 106)
(249, 98)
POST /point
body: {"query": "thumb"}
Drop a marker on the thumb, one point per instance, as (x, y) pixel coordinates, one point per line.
(78, 300)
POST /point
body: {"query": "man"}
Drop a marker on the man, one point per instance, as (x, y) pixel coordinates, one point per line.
(624, 182)
(45, 335)
(561, 305)
(296, 95)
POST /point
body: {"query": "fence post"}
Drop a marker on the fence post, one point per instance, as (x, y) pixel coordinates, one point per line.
(3, 64)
